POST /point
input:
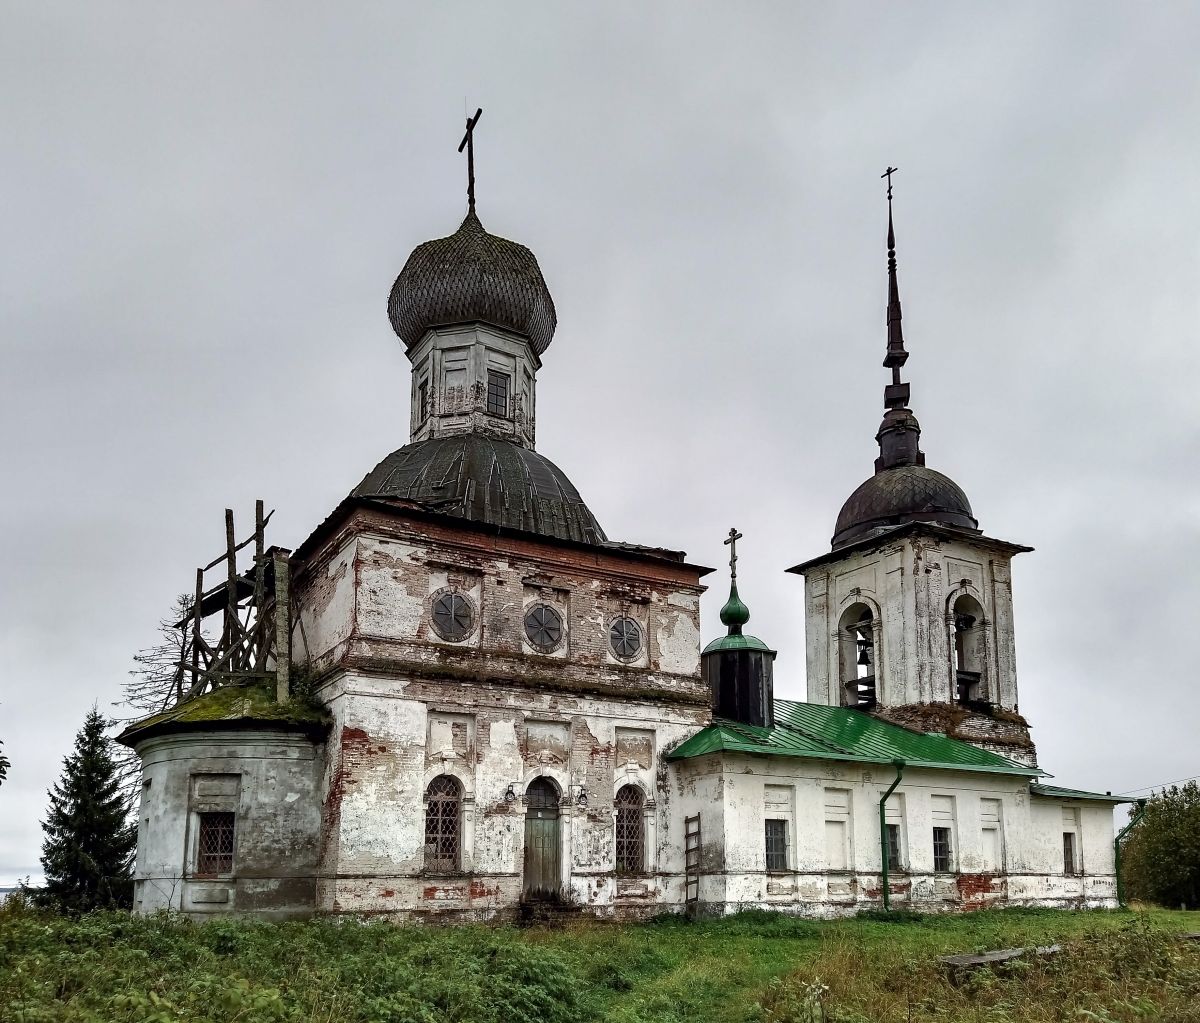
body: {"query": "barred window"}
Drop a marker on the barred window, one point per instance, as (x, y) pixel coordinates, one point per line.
(630, 831)
(497, 394)
(776, 834)
(422, 401)
(214, 849)
(625, 637)
(942, 858)
(443, 801)
(453, 617)
(543, 628)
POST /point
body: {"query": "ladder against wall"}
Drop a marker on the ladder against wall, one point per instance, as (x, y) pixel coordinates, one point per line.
(691, 860)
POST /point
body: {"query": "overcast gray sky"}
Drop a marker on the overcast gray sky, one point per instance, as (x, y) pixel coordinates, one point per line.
(204, 207)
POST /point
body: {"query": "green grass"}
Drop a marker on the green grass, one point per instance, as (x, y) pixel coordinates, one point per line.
(756, 966)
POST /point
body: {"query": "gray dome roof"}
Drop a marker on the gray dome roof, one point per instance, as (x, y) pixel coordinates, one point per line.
(485, 480)
(472, 275)
(906, 493)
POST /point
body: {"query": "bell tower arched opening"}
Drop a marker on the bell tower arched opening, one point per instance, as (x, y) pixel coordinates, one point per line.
(857, 656)
(969, 649)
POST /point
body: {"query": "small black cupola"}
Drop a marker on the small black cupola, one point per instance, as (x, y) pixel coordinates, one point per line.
(739, 668)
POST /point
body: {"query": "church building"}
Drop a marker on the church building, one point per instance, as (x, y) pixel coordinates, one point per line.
(459, 699)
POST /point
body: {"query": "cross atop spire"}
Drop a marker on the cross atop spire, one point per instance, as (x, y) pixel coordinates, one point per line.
(899, 434)
(468, 143)
(734, 614)
(731, 543)
(895, 396)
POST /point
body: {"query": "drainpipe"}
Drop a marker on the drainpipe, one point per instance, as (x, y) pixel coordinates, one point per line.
(883, 842)
(1137, 816)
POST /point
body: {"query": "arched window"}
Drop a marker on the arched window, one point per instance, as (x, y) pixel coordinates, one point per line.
(443, 824)
(857, 655)
(968, 648)
(631, 831)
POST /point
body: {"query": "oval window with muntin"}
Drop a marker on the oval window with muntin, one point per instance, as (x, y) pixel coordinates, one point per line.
(544, 628)
(625, 638)
(453, 616)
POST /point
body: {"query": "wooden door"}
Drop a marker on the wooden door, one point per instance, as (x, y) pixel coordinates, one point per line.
(543, 876)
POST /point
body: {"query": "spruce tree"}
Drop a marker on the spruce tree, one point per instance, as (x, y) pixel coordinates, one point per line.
(89, 844)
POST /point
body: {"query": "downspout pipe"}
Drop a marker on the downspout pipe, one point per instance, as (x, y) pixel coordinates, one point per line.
(1133, 822)
(883, 842)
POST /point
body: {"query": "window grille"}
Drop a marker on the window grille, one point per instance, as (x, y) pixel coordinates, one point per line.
(776, 835)
(941, 849)
(214, 850)
(453, 617)
(631, 839)
(1068, 852)
(422, 402)
(625, 637)
(543, 627)
(497, 394)
(443, 800)
(893, 845)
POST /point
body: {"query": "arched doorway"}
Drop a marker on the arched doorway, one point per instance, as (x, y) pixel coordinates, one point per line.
(543, 873)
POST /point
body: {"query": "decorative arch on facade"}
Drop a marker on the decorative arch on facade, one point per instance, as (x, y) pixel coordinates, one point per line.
(859, 641)
(558, 778)
(453, 769)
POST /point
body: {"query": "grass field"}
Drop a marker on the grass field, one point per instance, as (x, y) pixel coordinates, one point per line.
(756, 966)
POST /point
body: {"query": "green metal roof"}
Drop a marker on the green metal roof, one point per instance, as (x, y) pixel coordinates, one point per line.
(1054, 792)
(737, 642)
(843, 733)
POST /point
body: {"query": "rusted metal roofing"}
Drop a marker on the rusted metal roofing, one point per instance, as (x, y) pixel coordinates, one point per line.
(1054, 792)
(906, 493)
(843, 733)
(485, 480)
(472, 275)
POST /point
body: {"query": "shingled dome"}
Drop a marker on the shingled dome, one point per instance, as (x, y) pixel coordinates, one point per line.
(472, 275)
(485, 480)
(906, 493)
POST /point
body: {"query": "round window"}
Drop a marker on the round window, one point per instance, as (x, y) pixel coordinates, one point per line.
(625, 638)
(543, 627)
(453, 617)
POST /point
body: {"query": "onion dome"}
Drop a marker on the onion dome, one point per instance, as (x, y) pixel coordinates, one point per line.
(903, 489)
(905, 493)
(485, 480)
(472, 276)
(738, 669)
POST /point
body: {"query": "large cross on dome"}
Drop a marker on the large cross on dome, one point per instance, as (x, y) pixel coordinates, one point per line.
(734, 537)
(468, 143)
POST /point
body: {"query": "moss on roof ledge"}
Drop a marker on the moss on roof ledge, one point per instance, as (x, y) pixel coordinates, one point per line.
(231, 708)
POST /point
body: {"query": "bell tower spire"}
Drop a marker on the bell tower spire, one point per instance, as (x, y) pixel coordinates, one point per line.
(899, 435)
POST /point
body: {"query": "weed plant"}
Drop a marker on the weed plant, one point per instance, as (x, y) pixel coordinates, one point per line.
(750, 968)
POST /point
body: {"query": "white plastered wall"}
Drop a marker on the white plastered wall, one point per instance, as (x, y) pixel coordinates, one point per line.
(910, 585)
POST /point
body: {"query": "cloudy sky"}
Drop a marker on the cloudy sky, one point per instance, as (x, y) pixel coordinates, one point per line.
(204, 207)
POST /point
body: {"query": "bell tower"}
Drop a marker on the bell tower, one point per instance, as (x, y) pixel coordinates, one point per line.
(909, 616)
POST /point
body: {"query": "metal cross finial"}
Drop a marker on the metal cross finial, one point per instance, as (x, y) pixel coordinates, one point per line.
(468, 143)
(734, 537)
(886, 174)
